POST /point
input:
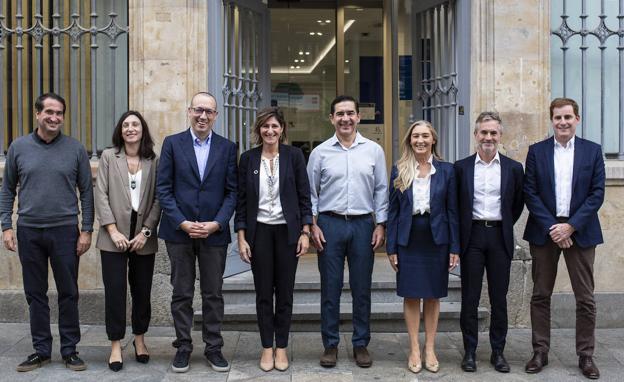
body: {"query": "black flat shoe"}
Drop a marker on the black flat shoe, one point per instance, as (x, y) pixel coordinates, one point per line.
(140, 358)
(115, 366)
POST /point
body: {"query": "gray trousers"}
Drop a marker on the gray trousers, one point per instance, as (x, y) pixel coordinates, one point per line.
(211, 266)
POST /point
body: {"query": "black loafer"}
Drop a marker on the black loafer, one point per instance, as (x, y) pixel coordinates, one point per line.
(469, 364)
(32, 362)
(500, 363)
(75, 363)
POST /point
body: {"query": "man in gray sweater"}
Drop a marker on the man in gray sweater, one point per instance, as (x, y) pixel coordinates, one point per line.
(48, 166)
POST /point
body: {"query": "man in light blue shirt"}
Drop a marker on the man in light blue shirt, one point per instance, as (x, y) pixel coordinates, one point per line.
(202, 151)
(349, 186)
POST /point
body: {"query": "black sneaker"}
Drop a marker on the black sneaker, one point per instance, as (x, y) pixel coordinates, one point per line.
(73, 362)
(181, 361)
(32, 362)
(217, 361)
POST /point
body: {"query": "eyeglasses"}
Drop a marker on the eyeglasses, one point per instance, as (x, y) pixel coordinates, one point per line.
(200, 110)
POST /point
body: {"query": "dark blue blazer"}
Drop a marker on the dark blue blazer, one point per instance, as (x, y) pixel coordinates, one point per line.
(294, 189)
(183, 196)
(512, 199)
(443, 204)
(588, 188)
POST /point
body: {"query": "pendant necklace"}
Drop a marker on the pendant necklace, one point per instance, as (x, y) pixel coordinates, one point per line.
(133, 177)
(271, 175)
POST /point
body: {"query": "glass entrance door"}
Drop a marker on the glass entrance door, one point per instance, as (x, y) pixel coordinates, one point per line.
(320, 49)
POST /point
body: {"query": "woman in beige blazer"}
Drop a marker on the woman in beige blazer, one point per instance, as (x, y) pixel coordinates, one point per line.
(128, 213)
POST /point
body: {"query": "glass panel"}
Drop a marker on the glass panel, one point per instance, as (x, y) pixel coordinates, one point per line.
(363, 67)
(303, 72)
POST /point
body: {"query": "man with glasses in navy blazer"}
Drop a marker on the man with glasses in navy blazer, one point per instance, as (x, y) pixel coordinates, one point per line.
(490, 202)
(196, 187)
(564, 188)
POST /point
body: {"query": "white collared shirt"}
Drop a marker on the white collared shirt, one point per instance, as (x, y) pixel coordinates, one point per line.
(486, 203)
(421, 190)
(266, 213)
(564, 166)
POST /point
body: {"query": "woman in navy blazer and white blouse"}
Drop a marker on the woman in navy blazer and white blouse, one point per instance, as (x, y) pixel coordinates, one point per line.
(273, 217)
(423, 235)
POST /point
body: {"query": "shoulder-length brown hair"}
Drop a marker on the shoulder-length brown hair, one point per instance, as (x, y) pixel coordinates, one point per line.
(263, 116)
(146, 147)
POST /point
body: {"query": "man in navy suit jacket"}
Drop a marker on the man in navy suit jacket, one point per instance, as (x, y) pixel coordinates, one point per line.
(196, 187)
(490, 202)
(564, 188)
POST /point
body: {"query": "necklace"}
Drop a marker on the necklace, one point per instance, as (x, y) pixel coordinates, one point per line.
(271, 176)
(133, 177)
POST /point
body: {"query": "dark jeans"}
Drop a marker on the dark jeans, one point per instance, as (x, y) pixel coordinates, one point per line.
(58, 244)
(119, 269)
(274, 264)
(211, 266)
(580, 264)
(350, 239)
(486, 251)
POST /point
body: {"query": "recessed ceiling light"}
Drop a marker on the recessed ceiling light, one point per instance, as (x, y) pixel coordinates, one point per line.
(328, 21)
(319, 33)
(300, 53)
(292, 66)
(319, 21)
(307, 53)
(296, 60)
(301, 60)
(359, 9)
(347, 61)
(311, 33)
(297, 66)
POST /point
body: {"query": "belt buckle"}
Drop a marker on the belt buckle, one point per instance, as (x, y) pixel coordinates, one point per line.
(487, 224)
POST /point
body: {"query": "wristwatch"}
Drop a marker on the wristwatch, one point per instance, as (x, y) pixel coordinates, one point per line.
(307, 233)
(146, 232)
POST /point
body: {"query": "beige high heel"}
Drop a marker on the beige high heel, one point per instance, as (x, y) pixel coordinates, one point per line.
(267, 365)
(433, 367)
(414, 367)
(281, 365)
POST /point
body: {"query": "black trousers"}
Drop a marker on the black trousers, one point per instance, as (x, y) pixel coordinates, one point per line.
(58, 245)
(486, 251)
(119, 269)
(274, 265)
(211, 261)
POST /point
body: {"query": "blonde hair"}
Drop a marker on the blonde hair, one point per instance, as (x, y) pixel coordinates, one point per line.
(406, 165)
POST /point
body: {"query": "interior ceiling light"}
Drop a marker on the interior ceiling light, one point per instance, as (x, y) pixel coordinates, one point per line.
(323, 53)
(301, 60)
(312, 33)
(300, 53)
(292, 66)
(298, 67)
(307, 53)
(319, 33)
(296, 60)
(328, 21)
(347, 61)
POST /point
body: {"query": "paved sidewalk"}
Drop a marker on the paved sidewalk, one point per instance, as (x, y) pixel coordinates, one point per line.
(389, 353)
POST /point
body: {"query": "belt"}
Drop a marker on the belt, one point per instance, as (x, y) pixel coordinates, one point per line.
(487, 223)
(345, 217)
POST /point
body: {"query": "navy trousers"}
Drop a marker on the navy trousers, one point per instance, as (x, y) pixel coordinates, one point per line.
(350, 239)
(57, 245)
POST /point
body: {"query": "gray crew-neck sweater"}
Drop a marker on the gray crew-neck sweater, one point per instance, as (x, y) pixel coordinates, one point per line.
(47, 175)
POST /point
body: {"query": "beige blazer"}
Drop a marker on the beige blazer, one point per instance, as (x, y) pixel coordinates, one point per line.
(112, 200)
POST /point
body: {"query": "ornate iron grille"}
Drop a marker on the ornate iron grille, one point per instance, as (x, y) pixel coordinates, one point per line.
(435, 73)
(583, 49)
(244, 54)
(45, 45)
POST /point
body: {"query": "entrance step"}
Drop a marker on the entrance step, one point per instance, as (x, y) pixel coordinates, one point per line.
(386, 306)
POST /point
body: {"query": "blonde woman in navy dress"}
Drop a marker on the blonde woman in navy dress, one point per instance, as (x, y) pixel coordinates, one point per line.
(423, 236)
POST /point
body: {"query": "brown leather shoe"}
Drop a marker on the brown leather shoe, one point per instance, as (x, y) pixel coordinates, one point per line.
(588, 367)
(537, 363)
(362, 358)
(329, 357)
